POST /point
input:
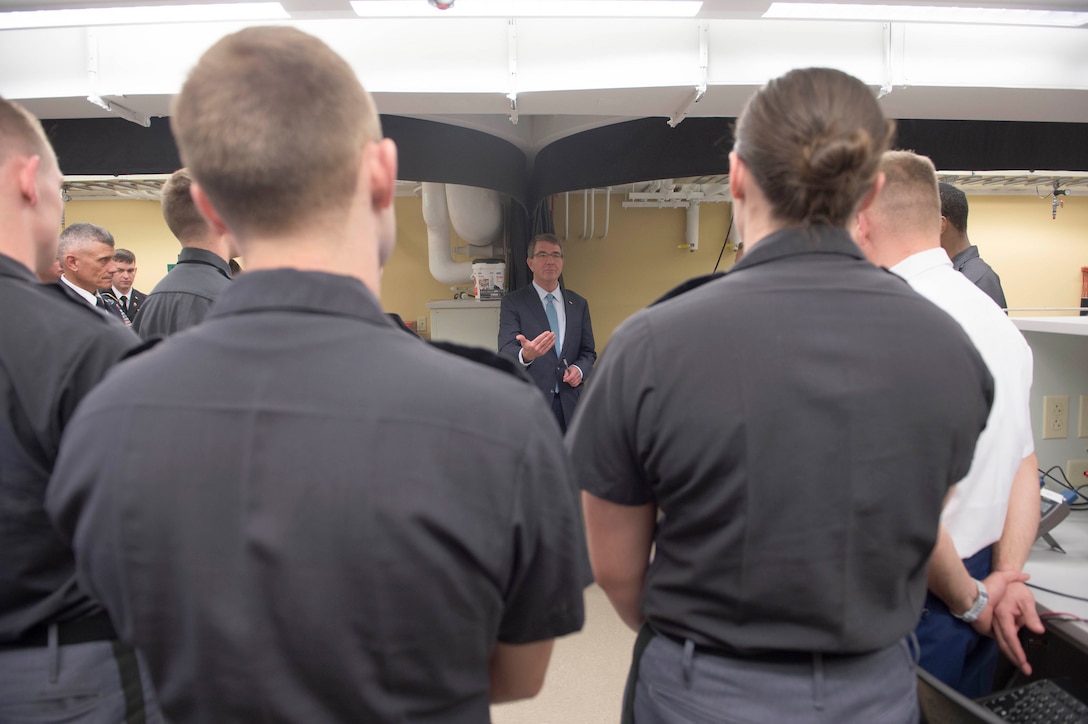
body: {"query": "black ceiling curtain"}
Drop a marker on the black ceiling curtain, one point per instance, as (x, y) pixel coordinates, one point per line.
(639, 150)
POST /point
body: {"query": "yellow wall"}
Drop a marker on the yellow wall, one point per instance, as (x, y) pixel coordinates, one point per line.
(136, 226)
(1038, 258)
(639, 260)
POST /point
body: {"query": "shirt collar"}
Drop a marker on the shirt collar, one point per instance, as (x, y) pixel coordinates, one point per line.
(299, 291)
(192, 253)
(91, 299)
(964, 256)
(917, 264)
(796, 240)
(541, 292)
(117, 293)
(9, 267)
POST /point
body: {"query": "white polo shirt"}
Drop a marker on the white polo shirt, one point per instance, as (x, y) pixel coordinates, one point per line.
(975, 513)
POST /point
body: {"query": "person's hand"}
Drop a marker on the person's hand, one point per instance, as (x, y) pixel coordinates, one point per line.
(573, 376)
(531, 349)
(1015, 610)
(995, 583)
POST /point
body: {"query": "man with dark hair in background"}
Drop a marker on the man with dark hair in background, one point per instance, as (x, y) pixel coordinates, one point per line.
(186, 293)
(301, 526)
(124, 276)
(60, 659)
(963, 253)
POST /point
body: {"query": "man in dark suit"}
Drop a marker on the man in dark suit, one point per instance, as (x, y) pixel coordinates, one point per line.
(557, 352)
(124, 276)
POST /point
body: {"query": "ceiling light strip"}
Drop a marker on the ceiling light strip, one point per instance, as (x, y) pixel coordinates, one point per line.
(529, 9)
(925, 14)
(142, 15)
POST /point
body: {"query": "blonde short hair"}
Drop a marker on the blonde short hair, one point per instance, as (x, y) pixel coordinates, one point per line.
(271, 123)
(909, 200)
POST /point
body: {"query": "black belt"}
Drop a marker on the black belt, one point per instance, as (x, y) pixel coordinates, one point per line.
(767, 656)
(77, 631)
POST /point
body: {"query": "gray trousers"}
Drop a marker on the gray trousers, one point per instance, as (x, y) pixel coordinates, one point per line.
(677, 685)
(90, 683)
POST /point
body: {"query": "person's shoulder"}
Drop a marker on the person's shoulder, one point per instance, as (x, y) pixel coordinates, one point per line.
(519, 295)
(687, 286)
(78, 322)
(484, 357)
(573, 296)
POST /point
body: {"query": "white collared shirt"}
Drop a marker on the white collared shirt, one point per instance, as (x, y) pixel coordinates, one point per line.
(91, 299)
(975, 512)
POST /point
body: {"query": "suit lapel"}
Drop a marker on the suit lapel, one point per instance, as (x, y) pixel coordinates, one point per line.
(568, 329)
(536, 308)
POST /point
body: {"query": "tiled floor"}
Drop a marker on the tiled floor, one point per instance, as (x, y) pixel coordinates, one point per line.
(586, 676)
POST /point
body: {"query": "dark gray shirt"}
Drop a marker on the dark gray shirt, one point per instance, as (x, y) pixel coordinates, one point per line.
(318, 517)
(972, 266)
(52, 352)
(184, 296)
(798, 423)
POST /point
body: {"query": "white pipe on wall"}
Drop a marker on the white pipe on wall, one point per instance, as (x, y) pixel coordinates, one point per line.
(476, 215)
(437, 217)
(692, 231)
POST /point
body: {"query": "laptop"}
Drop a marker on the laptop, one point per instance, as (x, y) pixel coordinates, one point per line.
(1044, 700)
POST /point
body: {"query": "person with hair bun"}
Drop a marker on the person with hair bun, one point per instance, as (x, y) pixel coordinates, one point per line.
(763, 455)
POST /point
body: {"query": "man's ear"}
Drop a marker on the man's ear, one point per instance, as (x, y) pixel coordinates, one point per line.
(738, 175)
(868, 198)
(381, 160)
(944, 224)
(861, 232)
(204, 206)
(28, 178)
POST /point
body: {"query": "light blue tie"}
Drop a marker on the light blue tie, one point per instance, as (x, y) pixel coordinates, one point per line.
(553, 319)
(553, 322)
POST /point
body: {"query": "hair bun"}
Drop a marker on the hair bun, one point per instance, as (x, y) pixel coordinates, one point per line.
(828, 158)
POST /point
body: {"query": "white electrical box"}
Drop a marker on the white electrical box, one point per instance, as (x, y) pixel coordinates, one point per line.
(466, 322)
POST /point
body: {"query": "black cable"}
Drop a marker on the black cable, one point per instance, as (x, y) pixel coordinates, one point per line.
(1057, 593)
(725, 242)
(1064, 482)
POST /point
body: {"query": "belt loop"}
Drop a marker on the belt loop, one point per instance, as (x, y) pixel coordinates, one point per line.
(689, 655)
(54, 653)
(818, 680)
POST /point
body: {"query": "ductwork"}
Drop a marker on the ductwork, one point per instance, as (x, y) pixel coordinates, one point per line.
(476, 216)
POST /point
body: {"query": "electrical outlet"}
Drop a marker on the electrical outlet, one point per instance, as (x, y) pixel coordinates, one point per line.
(421, 324)
(1055, 417)
(1082, 417)
(1077, 472)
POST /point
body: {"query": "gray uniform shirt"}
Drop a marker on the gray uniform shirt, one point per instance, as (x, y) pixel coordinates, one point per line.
(798, 423)
(972, 266)
(52, 352)
(318, 517)
(184, 296)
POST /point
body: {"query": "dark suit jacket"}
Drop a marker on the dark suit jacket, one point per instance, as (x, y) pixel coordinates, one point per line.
(522, 313)
(70, 294)
(135, 299)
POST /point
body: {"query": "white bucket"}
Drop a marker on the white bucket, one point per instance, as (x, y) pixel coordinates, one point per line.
(489, 276)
